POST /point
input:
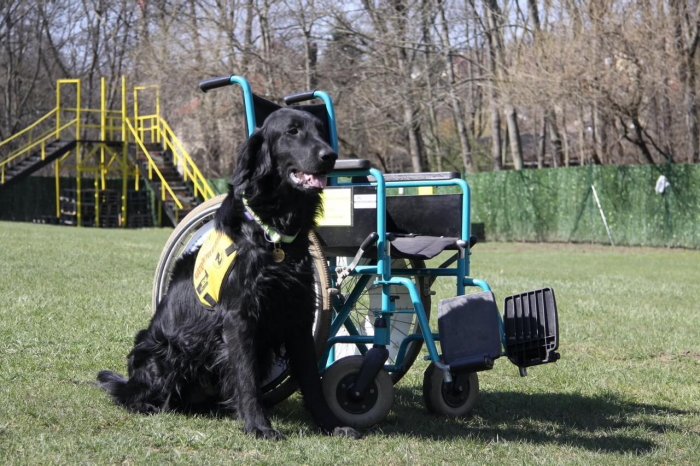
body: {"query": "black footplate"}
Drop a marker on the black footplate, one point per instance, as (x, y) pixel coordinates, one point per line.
(469, 331)
(532, 328)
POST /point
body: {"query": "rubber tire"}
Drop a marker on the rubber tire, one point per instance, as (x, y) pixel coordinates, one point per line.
(382, 393)
(414, 348)
(282, 386)
(435, 392)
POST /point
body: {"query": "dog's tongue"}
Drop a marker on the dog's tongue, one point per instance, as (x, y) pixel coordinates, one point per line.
(313, 181)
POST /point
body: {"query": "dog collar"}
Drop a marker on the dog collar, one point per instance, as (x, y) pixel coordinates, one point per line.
(273, 235)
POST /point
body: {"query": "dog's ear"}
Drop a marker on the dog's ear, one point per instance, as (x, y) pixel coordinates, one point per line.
(253, 162)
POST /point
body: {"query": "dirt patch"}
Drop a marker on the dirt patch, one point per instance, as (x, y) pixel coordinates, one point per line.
(685, 355)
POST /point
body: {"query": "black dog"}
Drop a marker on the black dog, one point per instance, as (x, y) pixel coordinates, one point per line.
(196, 359)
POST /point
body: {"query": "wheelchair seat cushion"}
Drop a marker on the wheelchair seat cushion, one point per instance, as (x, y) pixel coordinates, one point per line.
(421, 247)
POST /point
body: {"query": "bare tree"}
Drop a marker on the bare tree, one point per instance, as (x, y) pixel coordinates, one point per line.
(456, 104)
(686, 20)
(494, 21)
(496, 138)
(549, 118)
(20, 61)
(417, 83)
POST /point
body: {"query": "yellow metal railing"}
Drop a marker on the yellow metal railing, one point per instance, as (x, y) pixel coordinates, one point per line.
(60, 108)
(184, 162)
(29, 130)
(159, 131)
(32, 141)
(101, 125)
(153, 167)
(45, 130)
(106, 126)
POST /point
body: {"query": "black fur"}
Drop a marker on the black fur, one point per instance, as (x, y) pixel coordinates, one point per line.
(192, 359)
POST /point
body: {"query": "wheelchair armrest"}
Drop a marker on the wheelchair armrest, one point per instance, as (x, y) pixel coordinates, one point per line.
(426, 176)
(351, 165)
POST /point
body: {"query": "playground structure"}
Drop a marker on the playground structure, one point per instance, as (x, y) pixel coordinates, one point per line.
(133, 144)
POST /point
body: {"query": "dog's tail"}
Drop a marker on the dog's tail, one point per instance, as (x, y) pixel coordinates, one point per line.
(111, 382)
(133, 396)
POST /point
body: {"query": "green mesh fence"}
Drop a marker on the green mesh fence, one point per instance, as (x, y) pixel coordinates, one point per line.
(220, 185)
(528, 205)
(558, 205)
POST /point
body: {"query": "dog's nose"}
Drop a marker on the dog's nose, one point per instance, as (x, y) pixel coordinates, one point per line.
(327, 155)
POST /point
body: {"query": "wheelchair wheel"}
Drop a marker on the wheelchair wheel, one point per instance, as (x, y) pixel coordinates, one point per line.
(351, 411)
(403, 323)
(190, 233)
(453, 400)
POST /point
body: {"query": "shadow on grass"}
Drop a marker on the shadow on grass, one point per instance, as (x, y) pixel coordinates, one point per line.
(602, 423)
(605, 423)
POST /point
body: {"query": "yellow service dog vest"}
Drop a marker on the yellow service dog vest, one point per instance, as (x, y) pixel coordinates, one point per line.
(214, 262)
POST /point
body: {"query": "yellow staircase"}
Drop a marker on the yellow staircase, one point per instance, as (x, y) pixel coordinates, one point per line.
(139, 147)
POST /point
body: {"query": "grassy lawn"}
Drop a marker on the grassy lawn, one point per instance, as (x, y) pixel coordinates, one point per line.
(627, 389)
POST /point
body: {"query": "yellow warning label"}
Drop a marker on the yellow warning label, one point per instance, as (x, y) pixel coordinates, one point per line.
(337, 207)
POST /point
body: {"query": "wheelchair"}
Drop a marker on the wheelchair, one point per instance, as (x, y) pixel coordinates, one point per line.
(383, 241)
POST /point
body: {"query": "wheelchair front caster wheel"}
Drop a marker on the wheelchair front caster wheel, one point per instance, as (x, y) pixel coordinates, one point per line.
(455, 399)
(350, 410)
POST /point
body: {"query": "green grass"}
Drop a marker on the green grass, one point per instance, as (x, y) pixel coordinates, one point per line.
(627, 389)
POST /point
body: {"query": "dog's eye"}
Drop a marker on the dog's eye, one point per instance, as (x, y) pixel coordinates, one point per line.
(293, 131)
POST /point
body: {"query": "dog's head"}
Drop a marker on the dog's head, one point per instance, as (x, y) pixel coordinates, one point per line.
(288, 151)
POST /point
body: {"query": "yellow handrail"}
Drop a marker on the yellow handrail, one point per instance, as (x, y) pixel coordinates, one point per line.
(29, 128)
(191, 171)
(154, 128)
(87, 125)
(41, 141)
(164, 186)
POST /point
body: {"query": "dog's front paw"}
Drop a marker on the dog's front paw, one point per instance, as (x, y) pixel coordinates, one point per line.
(348, 432)
(265, 433)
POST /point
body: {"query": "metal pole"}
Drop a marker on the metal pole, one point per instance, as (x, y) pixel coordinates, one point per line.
(78, 153)
(602, 214)
(58, 188)
(103, 132)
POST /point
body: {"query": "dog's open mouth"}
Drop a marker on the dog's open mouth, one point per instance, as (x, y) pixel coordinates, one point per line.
(308, 180)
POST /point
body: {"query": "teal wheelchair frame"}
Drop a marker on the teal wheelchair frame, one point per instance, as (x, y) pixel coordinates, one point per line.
(471, 331)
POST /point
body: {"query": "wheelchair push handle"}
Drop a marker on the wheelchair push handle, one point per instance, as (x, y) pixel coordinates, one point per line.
(213, 83)
(299, 97)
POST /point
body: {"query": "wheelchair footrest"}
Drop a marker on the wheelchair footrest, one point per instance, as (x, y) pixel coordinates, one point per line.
(469, 329)
(532, 328)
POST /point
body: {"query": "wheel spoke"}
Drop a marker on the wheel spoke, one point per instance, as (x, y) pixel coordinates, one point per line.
(404, 321)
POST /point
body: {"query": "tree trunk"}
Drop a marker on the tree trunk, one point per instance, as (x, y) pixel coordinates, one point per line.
(496, 148)
(554, 137)
(550, 117)
(582, 144)
(565, 144)
(691, 110)
(495, 41)
(434, 148)
(687, 25)
(266, 35)
(455, 104)
(600, 137)
(541, 151)
(516, 149)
